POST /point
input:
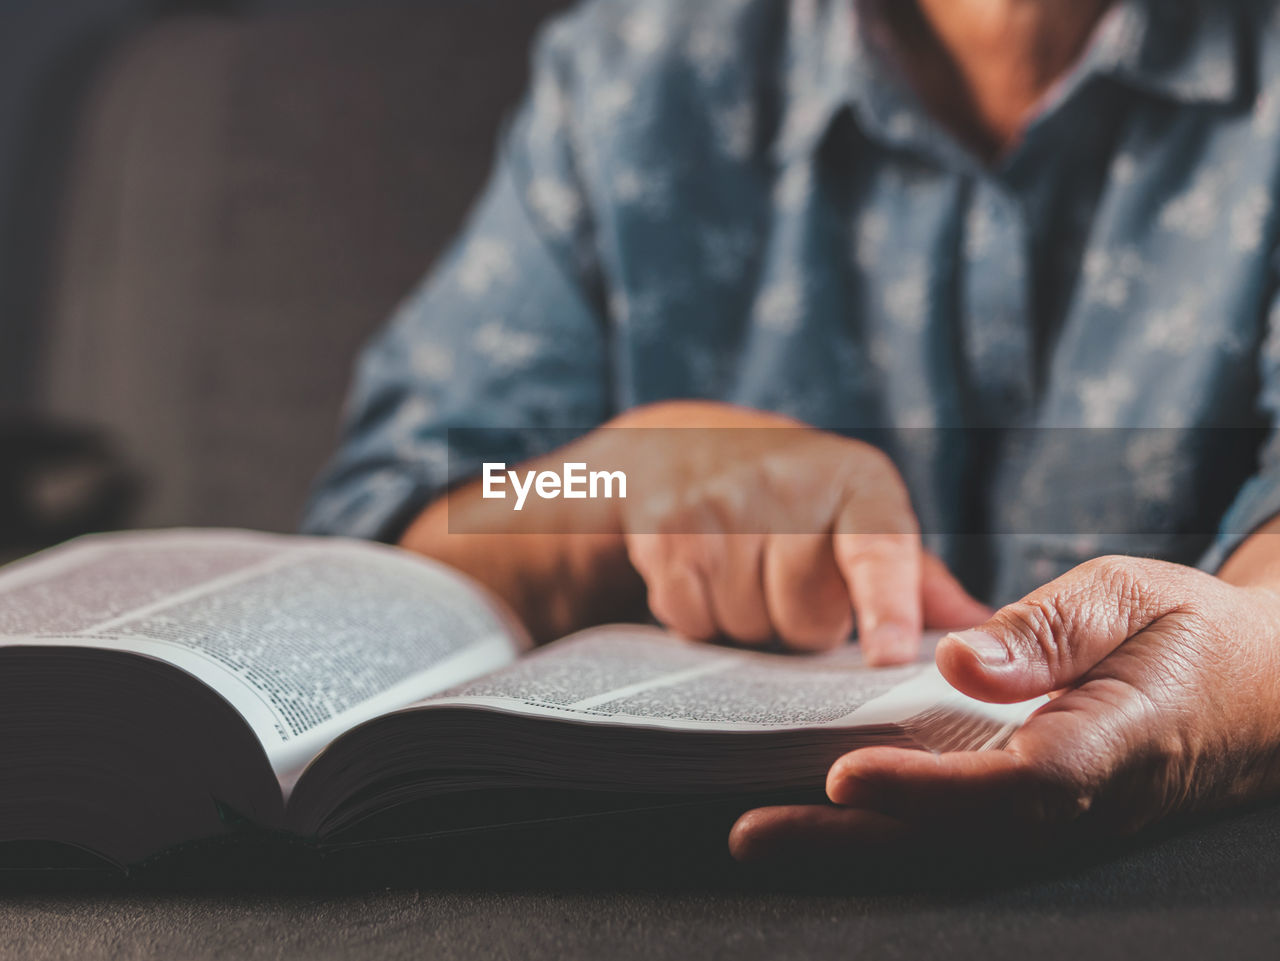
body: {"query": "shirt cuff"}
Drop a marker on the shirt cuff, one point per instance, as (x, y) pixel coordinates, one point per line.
(1256, 504)
(377, 507)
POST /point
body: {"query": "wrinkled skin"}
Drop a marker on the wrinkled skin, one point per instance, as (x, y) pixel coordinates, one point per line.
(1167, 702)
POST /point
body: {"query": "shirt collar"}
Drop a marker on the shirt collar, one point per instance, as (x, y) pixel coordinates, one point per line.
(1184, 51)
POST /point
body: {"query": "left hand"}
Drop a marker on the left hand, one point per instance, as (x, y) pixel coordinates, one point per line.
(1169, 703)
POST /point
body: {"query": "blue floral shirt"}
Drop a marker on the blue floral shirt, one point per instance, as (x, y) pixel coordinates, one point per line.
(1071, 352)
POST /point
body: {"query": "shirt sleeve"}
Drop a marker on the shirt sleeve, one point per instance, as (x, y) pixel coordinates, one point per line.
(508, 334)
(1258, 500)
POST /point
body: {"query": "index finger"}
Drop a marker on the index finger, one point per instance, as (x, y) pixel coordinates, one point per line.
(970, 788)
(1042, 782)
(878, 551)
(876, 540)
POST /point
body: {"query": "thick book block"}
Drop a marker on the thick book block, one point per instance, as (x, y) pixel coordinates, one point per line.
(158, 689)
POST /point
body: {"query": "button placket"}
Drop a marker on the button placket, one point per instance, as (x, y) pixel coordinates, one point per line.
(995, 305)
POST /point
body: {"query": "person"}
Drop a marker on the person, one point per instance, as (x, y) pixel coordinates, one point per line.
(971, 286)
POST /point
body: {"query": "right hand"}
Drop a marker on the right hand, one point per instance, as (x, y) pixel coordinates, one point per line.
(789, 535)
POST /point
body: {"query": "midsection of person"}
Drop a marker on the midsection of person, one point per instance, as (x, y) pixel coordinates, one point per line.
(746, 202)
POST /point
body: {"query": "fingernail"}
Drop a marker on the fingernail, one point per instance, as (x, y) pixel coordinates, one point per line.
(985, 648)
(843, 792)
(846, 789)
(888, 635)
(892, 640)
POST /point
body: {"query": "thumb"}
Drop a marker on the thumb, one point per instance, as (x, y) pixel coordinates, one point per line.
(1058, 633)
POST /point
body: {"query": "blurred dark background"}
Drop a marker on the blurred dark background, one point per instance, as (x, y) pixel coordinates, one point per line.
(206, 206)
(48, 52)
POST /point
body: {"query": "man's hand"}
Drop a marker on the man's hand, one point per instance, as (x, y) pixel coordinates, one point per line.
(1168, 703)
(755, 528)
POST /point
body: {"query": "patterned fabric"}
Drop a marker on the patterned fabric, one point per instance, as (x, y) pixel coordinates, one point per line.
(1075, 350)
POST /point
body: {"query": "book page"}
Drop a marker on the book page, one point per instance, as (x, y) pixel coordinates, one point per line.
(643, 677)
(305, 637)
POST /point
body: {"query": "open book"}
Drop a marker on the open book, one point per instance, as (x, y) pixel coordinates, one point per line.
(158, 688)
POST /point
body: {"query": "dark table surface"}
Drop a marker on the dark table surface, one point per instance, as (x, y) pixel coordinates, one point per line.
(1208, 891)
